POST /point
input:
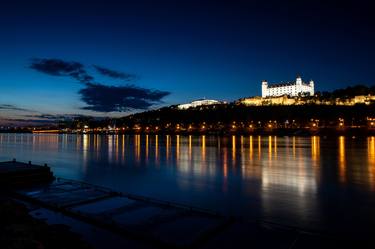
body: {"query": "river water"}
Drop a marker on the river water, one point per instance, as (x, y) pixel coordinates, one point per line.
(319, 183)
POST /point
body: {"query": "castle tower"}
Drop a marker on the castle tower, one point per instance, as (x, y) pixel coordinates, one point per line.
(299, 80)
(264, 88)
(311, 83)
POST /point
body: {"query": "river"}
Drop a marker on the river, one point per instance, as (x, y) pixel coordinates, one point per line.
(315, 182)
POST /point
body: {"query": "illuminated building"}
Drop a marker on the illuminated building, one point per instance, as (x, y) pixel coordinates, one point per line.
(291, 88)
(200, 102)
(258, 101)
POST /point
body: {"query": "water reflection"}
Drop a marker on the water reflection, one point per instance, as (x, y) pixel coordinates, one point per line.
(251, 147)
(371, 160)
(234, 149)
(342, 160)
(157, 149)
(279, 175)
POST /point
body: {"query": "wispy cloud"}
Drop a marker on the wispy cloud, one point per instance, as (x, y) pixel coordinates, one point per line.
(14, 108)
(114, 74)
(57, 67)
(57, 117)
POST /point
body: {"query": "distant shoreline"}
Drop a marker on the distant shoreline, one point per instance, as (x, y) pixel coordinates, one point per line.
(255, 132)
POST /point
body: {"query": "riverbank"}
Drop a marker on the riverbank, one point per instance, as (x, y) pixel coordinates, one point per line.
(302, 132)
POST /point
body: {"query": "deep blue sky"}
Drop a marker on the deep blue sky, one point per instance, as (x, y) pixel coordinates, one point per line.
(192, 49)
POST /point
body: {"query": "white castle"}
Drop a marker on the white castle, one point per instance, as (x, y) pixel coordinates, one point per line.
(291, 88)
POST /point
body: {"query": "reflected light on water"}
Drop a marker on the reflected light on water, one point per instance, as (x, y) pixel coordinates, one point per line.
(146, 148)
(342, 160)
(259, 147)
(203, 149)
(157, 149)
(110, 147)
(270, 148)
(276, 175)
(86, 144)
(177, 147)
(315, 148)
(251, 147)
(168, 147)
(233, 150)
(371, 161)
(117, 152)
(137, 148)
(189, 149)
(275, 146)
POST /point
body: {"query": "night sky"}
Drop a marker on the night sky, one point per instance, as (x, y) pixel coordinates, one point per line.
(112, 58)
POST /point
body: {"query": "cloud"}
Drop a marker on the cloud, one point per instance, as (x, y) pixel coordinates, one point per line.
(115, 74)
(57, 117)
(21, 121)
(13, 107)
(57, 67)
(97, 96)
(102, 98)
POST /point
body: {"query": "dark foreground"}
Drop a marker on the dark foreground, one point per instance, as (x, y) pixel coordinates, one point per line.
(18, 230)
